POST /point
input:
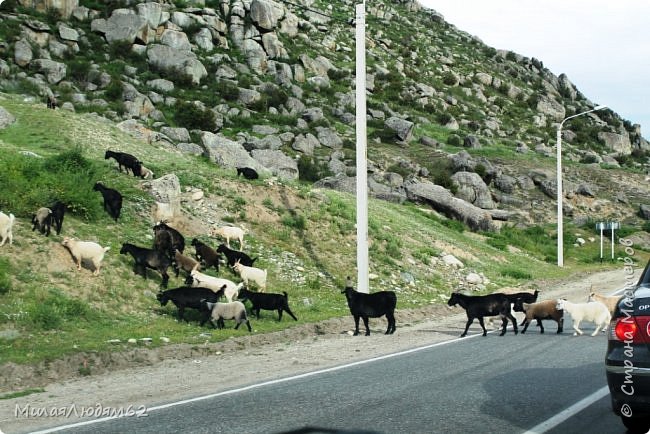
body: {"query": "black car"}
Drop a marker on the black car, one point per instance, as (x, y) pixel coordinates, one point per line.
(628, 356)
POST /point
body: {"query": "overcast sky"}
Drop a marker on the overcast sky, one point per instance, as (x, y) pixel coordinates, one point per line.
(600, 45)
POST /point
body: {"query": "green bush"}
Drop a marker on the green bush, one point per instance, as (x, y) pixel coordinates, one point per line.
(296, 221)
(227, 90)
(191, 116)
(516, 274)
(30, 182)
(5, 280)
(78, 69)
(114, 91)
(311, 171)
(454, 140)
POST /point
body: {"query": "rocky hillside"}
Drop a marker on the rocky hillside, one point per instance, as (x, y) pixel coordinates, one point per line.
(452, 122)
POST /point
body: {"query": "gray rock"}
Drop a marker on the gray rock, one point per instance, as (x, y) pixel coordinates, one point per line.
(266, 13)
(618, 143)
(248, 96)
(312, 114)
(269, 142)
(403, 129)
(22, 53)
(153, 13)
(227, 153)
(161, 84)
(462, 161)
(305, 143)
(274, 47)
(178, 135)
(203, 39)
(444, 202)
(329, 138)
(256, 57)
(6, 118)
(644, 211)
(341, 182)
(471, 142)
(428, 141)
(472, 189)
(175, 39)
(122, 27)
(53, 71)
(277, 162)
(505, 183)
(68, 33)
(190, 148)
(169, 59)
(587, 190)
(264, 129)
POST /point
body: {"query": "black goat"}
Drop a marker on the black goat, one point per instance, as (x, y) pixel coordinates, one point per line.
(191, 297)
(270, 301)
(518, 298)
(177, 240)
(206, 254)
(148, 258)
(112, 200)
(371, 306)
(126, 160)
(248, 172)
(58, 212)
(233, 256)
(163, 243)
(51, 102)
(478, 306)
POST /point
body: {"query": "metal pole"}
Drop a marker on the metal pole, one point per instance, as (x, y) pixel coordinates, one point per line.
(612, 225)
(601, 241)
(560, 229)
(362, 170)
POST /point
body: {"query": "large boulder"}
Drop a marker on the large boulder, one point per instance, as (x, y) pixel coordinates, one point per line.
(169, 59)
(473, 189)
(618, 143)
(403, 129)
(123, 25)
(277, 162)
(444, 202)
(228, 153)
(53, 71)
(153, 12)
(6, 118)
(340, 182)
(266, 13)
(22, 53)
(166, 191)
(176, 39)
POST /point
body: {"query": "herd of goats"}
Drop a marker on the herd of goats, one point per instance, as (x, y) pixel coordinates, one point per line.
(203, 292)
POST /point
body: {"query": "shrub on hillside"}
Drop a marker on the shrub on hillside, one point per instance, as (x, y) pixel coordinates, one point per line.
(311, 171)
(191, 116)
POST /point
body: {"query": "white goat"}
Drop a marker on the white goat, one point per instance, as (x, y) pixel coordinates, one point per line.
(234, 310)
(146, 173)
(229, 232)
(253, 274)
(6, 225)
(595, 312)
(610, 301)
(86, 250)
(216, 283)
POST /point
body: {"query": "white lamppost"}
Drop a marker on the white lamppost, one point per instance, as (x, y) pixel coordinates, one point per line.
(362, 168)
(560, 229)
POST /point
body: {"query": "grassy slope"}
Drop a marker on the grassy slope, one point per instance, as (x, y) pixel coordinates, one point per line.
(305, 238)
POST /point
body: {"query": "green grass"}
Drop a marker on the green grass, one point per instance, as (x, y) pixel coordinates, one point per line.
(57, 310)
(22, 393)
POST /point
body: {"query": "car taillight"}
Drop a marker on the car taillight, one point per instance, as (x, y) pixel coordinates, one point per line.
(634, 329)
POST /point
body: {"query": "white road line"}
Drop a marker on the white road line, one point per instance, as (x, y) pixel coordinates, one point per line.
(567, 413)
(265, 383)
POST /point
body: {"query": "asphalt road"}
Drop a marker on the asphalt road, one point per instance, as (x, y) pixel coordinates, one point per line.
(490, 384)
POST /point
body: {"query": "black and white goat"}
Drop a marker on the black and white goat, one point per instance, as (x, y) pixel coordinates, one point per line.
(479, 306)
(370, 306)
(248, 172)
(233, 256)
(186, 296)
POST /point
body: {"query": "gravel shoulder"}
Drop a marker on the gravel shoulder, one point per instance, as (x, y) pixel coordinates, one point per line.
(178, 372)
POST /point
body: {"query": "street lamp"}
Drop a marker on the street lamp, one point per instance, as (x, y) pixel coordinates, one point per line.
(560, 229)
